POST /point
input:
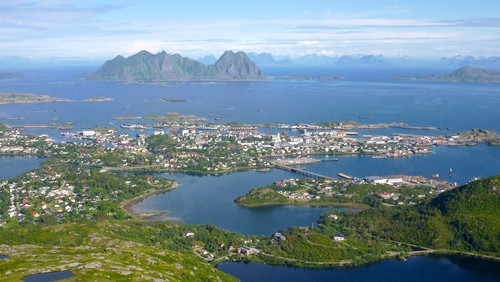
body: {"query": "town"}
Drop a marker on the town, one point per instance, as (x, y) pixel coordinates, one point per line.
(75, 181)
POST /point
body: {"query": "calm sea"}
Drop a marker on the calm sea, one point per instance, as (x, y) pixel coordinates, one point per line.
(373, 92)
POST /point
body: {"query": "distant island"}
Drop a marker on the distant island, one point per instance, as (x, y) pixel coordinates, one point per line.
(175, 117)
(28, 98)
(126, 117)
(98, 99)
(147, 67)
(172, 100)
(464, 74)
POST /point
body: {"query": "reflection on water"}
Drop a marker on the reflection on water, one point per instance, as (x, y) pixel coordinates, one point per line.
(414, 269)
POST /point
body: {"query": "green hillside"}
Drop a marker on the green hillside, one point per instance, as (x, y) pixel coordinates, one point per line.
(463, 219)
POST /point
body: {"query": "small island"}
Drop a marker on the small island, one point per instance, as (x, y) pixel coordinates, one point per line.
(28, 98)
(176, 117)
(126, 117)
(98, 99)
(172, 100)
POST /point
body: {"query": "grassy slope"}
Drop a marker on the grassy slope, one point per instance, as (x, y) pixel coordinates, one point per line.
(94, 253)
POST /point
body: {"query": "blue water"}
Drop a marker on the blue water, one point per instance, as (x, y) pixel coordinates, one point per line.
(459, 106)
(415, 269)
(210, 199)
(466, 163)
(11, 166)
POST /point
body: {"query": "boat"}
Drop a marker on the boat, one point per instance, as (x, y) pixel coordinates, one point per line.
(450, 174)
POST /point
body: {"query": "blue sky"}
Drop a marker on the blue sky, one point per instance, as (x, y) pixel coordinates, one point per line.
(103, 29)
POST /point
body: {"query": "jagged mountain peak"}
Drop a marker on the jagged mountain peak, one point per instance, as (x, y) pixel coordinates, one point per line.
(146, 67)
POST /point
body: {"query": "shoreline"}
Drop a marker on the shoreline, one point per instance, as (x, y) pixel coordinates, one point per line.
(128, 204)
(356, 206)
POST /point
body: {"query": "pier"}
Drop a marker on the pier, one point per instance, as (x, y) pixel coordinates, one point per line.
(301, 171)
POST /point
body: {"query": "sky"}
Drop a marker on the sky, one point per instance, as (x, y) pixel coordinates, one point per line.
(195, 28)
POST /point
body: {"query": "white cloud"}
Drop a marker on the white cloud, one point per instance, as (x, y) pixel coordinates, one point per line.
(67, 28)
(309, 43)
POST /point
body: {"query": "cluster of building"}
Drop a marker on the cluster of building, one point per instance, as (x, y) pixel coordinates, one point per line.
(40, 193)
(318, 142)
(250, 148)
(14, 142)
(309, 189)
(219, 148)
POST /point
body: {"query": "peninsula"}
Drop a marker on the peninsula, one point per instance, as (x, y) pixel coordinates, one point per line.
(354, 193)
(150, 68)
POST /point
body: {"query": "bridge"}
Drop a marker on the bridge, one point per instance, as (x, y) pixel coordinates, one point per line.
(301, 171)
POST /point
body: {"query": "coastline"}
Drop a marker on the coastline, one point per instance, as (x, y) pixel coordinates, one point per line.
(128, 204)
(356, 206)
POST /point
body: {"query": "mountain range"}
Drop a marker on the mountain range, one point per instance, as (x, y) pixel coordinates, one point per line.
(268, 60)
(147, 67)
(368, 60)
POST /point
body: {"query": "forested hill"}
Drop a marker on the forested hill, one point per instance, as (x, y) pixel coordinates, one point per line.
(464, 219)
(147, 67)
(478, 198)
